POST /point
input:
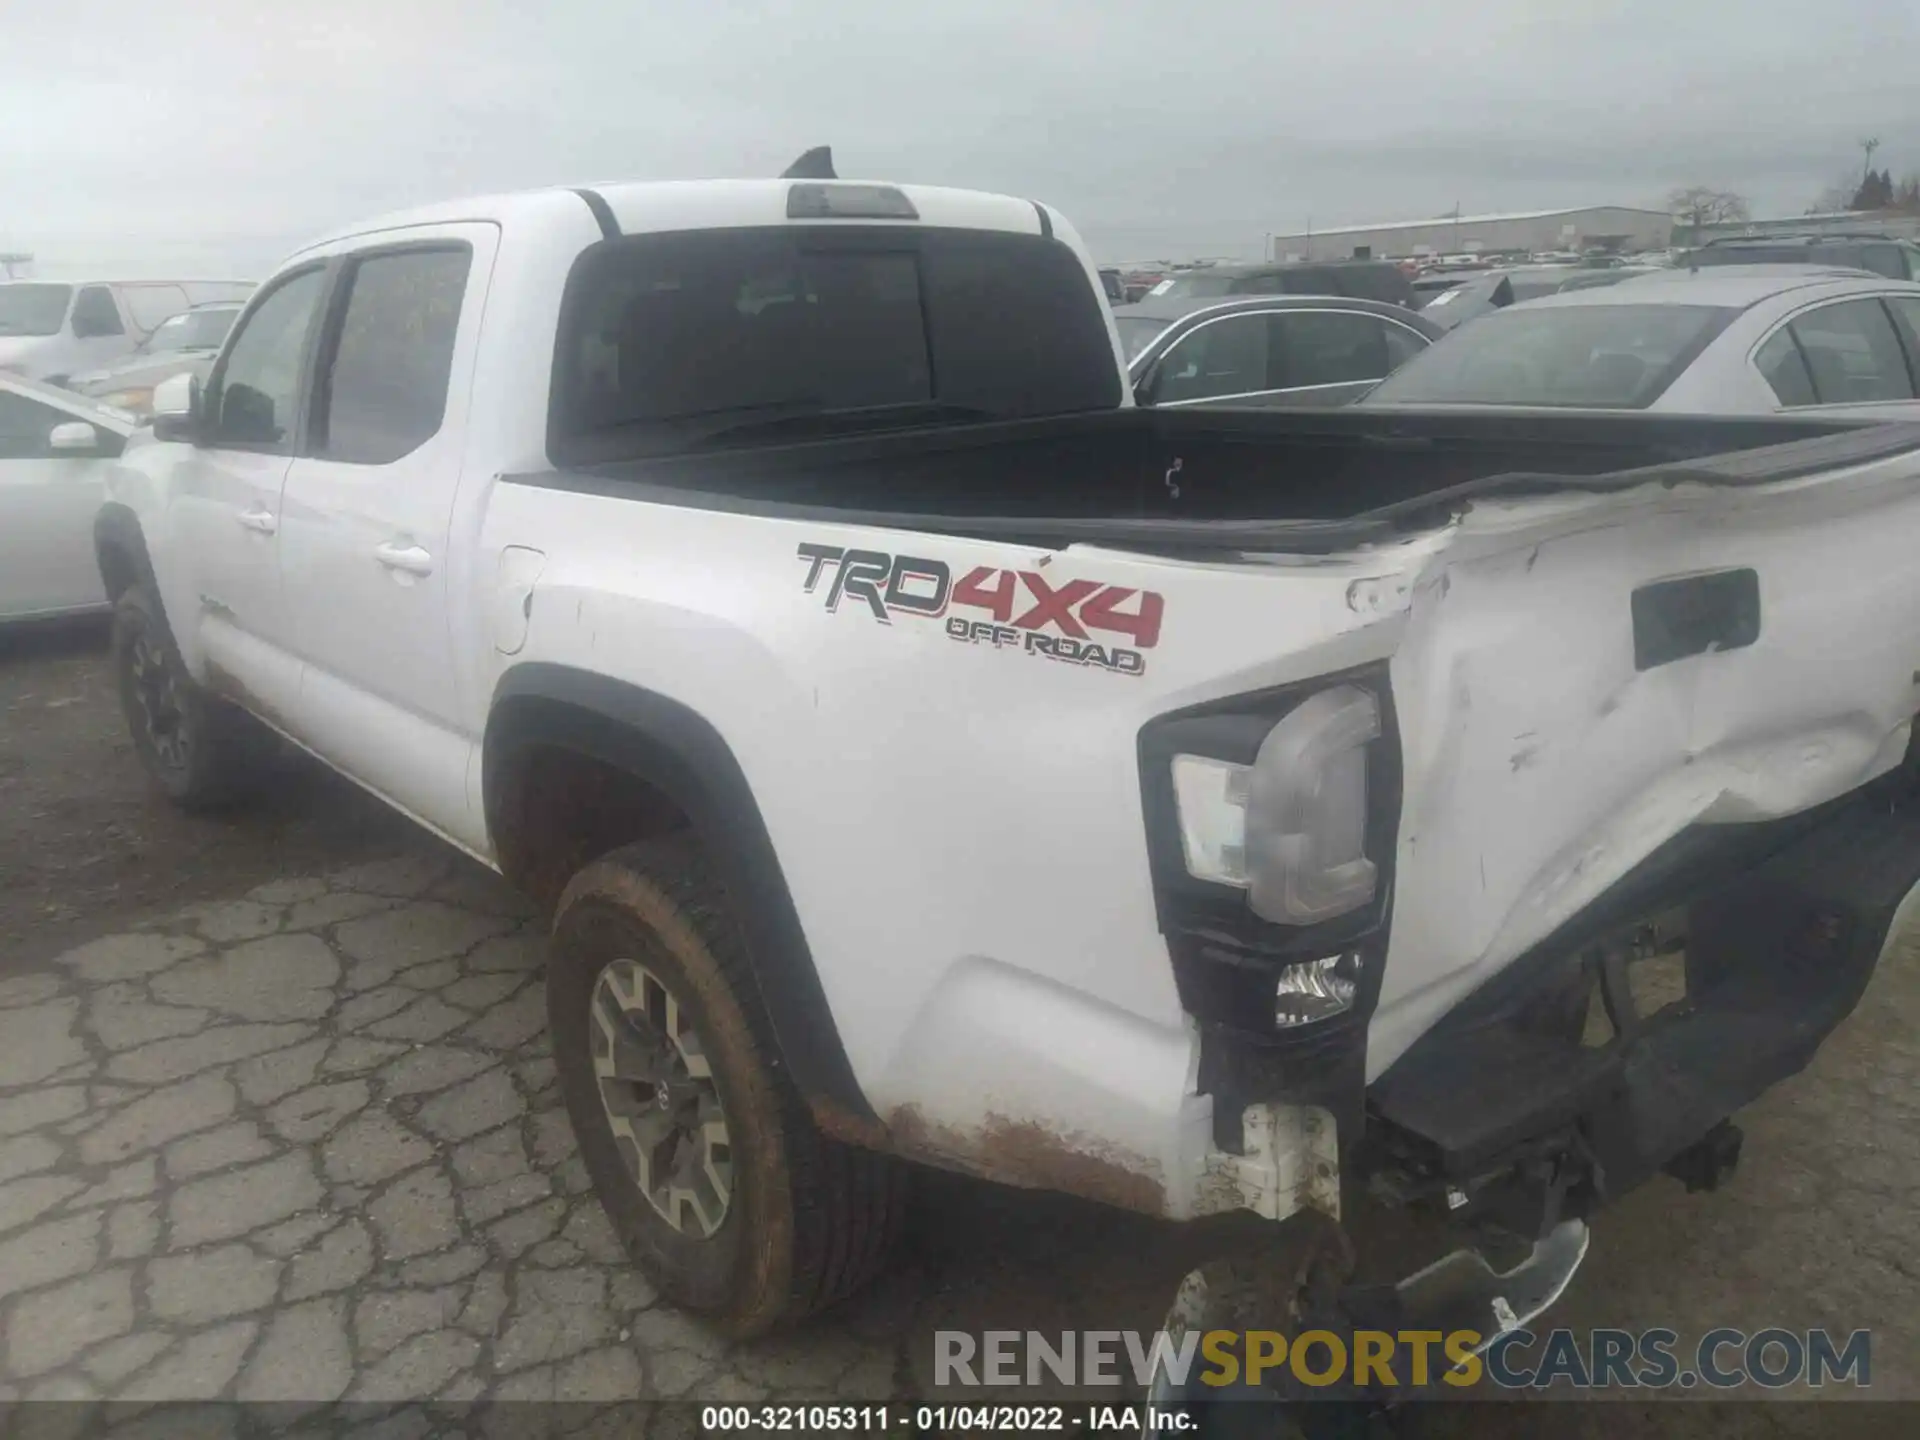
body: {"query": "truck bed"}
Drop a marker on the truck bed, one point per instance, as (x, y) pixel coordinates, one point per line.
(1190, 476)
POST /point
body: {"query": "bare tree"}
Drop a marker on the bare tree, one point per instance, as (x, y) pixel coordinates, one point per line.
(1866, 170)
(1836, 197)
(1700, 205)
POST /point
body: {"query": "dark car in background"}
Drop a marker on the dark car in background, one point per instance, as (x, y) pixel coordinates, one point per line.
(1378, 280)
(1882, 254)
(1290, 350)
(1490, 290)
(182, 344)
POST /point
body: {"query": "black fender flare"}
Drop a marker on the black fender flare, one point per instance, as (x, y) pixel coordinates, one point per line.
(678, 752)
(116, 530)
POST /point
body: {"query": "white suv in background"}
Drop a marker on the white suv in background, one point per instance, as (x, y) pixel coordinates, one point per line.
(50, 330)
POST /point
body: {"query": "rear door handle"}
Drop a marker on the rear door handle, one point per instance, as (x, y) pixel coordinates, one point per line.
(261, 522)
(409, 558)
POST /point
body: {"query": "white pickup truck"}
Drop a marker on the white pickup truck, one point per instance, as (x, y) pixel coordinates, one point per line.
(924, 752)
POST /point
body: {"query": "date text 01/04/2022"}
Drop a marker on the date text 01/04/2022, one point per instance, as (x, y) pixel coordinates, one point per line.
(926, 1419)
(1057, 621)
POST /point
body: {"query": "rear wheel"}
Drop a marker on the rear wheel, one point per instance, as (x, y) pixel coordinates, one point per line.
(201, 750)
(702, 1153)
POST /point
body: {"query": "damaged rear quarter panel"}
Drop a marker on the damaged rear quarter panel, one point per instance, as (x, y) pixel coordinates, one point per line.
(1541, 766)
(960, 824)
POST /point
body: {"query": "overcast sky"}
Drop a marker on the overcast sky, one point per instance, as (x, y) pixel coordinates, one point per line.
(146, 136)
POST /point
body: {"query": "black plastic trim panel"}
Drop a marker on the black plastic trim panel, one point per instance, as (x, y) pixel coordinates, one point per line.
(602, 213)
(678, 752)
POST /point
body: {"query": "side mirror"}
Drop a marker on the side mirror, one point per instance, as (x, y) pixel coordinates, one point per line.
(177, 409)
(76, 437)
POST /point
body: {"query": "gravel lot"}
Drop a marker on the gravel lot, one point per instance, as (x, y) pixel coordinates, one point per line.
(277, 1122)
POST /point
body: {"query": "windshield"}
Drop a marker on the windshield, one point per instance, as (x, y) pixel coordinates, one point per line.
(1137, 332)
(191, 330)
(1606, 357)
(32, 309)
(673, 339)
(1193, 287)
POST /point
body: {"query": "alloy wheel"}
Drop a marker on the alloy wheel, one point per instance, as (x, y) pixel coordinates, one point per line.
(156, 688)
(657, 1089)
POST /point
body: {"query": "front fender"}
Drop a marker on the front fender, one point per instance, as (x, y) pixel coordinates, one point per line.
(136, 541)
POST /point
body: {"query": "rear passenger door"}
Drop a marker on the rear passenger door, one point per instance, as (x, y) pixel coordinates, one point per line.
(366, 555)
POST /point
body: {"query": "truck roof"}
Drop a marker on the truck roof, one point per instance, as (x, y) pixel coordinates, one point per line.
(639, 207)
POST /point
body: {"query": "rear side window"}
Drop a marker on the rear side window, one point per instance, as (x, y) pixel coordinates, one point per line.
(1906, 309)
(1883, 260)
(1853, 354)
(671, 340)
(1137, 332)
(32, 309)
(384, 391)
(1223, 357)
(95, 315)
(1785, 369)
(1328, 347)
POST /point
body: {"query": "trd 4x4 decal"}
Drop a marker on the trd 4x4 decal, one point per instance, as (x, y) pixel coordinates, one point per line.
(1065, 621)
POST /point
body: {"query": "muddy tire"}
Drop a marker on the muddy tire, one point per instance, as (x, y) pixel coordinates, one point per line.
(702, 1153)
(202, 751)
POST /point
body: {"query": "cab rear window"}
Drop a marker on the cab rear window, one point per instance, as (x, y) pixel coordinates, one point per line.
(668, 341)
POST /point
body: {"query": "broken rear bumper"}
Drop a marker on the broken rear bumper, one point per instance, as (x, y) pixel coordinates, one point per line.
(1502, 1113)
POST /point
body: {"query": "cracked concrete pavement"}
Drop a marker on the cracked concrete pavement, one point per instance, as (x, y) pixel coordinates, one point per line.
(306, 1145)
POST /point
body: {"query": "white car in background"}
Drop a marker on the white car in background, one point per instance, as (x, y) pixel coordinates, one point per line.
(1745, 340)
(51, 330)
(55, 447)
(184, 344)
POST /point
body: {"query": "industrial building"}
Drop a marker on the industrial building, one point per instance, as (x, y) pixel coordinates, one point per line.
(1611, 227)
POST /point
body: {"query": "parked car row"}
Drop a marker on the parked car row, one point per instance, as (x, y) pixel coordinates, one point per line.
(1752, 339)
(1732, 338)
(1356, 279)
(1747, 340)
(181, 344)
(1881, 254)
(54, 448)
(1294, 350)
(52, 330)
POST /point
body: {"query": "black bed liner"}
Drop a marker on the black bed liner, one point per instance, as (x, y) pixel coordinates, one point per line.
(1218, 479)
